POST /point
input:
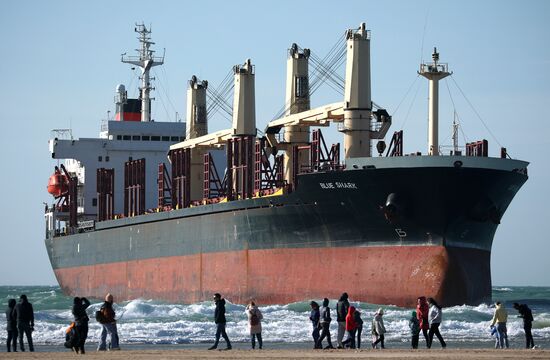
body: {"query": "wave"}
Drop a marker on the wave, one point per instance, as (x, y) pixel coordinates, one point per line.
(155, 322)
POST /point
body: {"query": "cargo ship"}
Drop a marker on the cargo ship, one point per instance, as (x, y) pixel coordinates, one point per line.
(169, 211)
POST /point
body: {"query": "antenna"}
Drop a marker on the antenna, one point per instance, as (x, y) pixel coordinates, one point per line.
(455, 133)
(146, 60)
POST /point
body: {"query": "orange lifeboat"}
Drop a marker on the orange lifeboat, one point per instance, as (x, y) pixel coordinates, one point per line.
(58, 184)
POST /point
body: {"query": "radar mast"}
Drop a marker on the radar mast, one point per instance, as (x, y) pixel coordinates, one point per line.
(146, 60)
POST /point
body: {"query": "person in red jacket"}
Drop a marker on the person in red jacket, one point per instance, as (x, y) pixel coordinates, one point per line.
(422, 310)
(351, 327)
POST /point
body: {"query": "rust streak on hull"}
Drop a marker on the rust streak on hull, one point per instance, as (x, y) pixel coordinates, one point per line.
(387, 275)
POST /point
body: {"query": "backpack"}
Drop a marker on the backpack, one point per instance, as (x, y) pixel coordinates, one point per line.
(254, 319)
(71, 337)
(100, 317)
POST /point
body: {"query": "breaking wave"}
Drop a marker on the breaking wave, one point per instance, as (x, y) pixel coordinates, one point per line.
(153, 322)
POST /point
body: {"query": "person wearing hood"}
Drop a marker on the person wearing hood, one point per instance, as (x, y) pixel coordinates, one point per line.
(220, 321)
(315, 317)
(414, 325)
(325, 325)
(351, 328)
(341, 312)
(527, 316)
(254, 323)
(81, 320)
(11, 325)
(108, 325)
(422, 310)
(24, 313)
(378, 328)
(500, 317)
(435, 316)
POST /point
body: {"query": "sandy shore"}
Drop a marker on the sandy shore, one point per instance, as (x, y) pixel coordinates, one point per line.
(291, 354)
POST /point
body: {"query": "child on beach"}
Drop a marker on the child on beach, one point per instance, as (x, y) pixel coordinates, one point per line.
(414, 325)
(494, 333)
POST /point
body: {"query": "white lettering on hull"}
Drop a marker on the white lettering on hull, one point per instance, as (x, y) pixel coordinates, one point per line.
(338, 185)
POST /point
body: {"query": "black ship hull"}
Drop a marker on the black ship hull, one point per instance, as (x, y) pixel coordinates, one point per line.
(385, 233)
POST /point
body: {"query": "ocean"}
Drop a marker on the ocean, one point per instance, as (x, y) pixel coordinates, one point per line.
(148, 323)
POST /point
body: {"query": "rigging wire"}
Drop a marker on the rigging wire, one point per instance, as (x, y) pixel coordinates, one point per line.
(456, 113)
(219, 96)
(475, 112)
(323, 71)
(410, 107)
(167, 90)
(159, 81)
(406, 94)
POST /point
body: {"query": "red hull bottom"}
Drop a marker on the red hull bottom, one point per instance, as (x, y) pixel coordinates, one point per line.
(383, 275)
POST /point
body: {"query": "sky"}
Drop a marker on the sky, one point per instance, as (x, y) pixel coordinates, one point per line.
(61, 64)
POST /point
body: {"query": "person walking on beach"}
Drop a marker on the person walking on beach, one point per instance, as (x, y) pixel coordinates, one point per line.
(325, 325)
(499, 318)
(422, 310)
(435, 316)
(527, 315)
(414, 325)
(359, 324)
(351, 328)
(24, 313)
(341, 312)
(11, 325)
(378, 328)
(254, 323)
(81, 320)
(108, 325)
(219, 319)
(315, 317)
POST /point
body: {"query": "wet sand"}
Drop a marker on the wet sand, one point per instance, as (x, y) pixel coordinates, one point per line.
(291, 354)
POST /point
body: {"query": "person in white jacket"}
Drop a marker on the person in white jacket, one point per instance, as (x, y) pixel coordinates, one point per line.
(434, 317)
(254, 323)
(378, 329)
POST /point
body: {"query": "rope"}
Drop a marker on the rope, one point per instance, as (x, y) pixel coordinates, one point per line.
(475, 112)
(406, 94)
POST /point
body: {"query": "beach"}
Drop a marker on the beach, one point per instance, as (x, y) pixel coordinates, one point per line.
(292, 354)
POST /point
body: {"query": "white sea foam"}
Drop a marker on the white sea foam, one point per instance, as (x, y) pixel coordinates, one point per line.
(147, 321)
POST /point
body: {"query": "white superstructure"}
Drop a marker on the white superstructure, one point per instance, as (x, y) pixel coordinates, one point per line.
(125, 140)
(132, 136)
